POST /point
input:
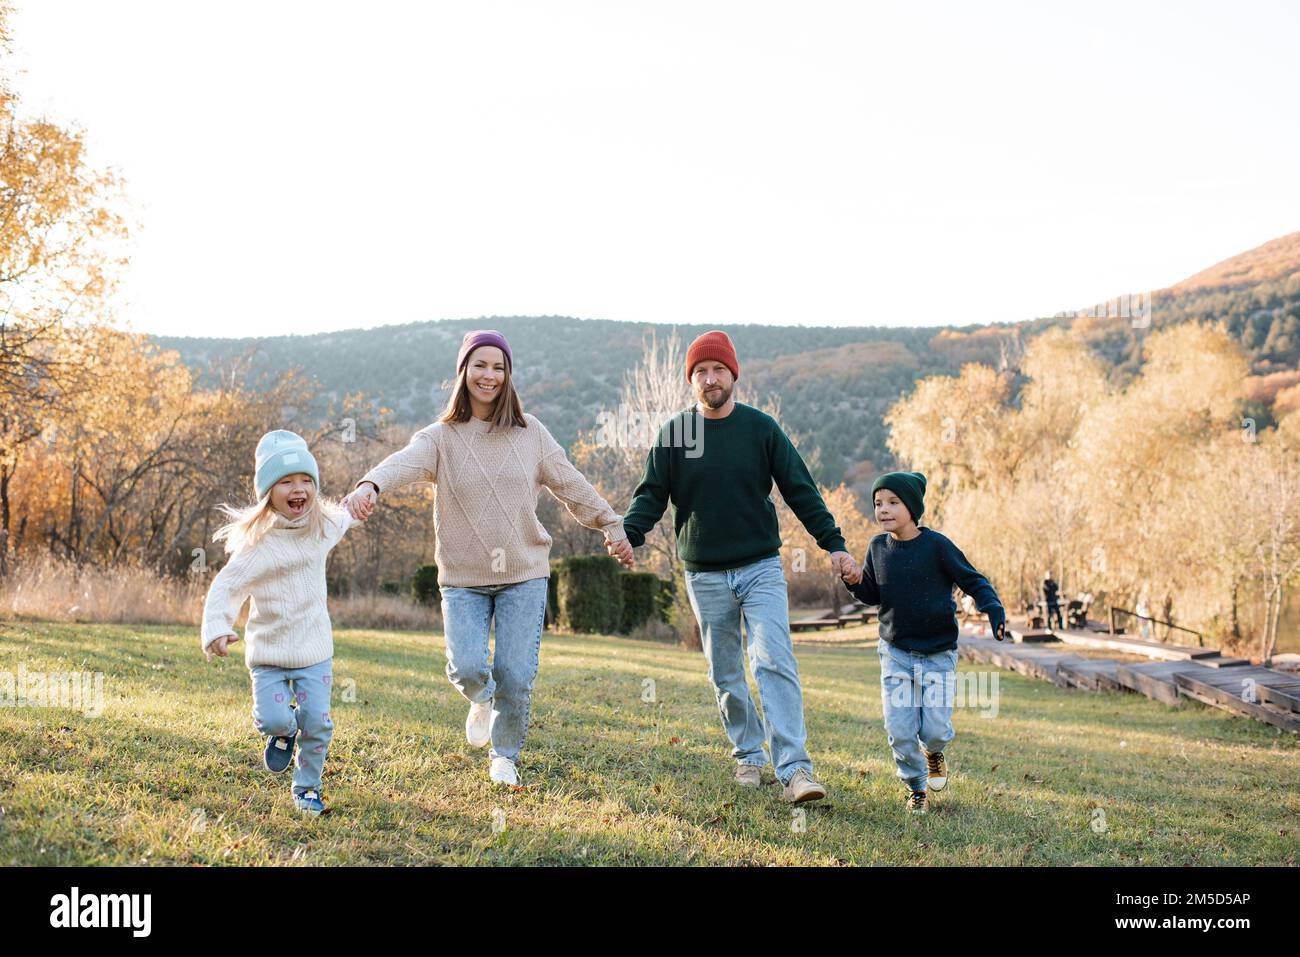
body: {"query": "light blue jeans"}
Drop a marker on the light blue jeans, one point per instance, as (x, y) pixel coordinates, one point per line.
(916, 694)
(507, 679)
(273, 714)
(755, 594)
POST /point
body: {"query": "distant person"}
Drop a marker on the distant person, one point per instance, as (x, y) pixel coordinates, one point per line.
(729, 538)
(1052, 600)
(1143, 612)
(1078, 616)
(278, 547)
(490, 460)
(910, 573)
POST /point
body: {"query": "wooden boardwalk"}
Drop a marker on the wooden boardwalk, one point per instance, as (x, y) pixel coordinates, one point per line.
(1092, 674)
(1177, 674)
(1133, 646)
(1256, 692)
(1155, 679)
(836, 618)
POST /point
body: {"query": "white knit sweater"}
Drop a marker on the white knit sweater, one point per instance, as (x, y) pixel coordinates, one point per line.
(485, 504)
(284, 574)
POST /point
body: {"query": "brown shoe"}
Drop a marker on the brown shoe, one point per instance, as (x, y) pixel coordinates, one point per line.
(749, 775)
(802, 788)
(938, 770)
(918, 802)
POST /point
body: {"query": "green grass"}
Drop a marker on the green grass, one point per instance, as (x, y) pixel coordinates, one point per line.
(170, 772)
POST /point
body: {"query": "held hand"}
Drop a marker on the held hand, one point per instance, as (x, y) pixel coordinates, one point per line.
(846, 567)
(855, 573)
(219, 647)
(621, 550)
(998, 624)
(360, 503)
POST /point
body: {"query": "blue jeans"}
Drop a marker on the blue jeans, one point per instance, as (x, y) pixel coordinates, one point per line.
(916, 694)
(273, 714)
(506, 680)
(756, 594)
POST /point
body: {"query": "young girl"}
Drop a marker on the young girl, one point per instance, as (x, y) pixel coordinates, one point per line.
(909, 572)
(278, 549)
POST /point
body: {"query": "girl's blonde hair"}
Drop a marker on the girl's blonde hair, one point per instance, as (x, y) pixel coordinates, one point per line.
(249, 523)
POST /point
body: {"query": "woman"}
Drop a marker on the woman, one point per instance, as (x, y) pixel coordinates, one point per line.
(489, 460)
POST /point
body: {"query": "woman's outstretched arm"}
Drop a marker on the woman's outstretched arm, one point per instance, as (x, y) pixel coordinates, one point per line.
(418, 462)
(571, 487)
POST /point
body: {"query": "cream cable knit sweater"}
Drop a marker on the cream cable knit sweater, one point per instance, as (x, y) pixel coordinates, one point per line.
(485, 501)
(284, 573)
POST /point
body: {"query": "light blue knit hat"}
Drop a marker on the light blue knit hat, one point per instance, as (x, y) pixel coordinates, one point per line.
(280, 453)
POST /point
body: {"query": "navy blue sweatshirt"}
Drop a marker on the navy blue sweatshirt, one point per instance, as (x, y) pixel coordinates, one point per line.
(912, 583)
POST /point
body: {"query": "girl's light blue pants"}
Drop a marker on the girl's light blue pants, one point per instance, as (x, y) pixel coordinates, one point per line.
(274, 691)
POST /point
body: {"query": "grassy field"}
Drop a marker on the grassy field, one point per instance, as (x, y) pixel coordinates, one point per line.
(170, 772)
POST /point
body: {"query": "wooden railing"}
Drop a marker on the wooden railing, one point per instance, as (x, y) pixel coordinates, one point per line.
(1114, 628)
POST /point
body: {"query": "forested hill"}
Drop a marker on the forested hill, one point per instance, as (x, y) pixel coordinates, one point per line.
(835, 384)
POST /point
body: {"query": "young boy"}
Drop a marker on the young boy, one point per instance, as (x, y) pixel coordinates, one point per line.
(909, 572)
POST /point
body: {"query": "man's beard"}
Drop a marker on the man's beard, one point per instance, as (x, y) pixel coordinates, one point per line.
(715, 400)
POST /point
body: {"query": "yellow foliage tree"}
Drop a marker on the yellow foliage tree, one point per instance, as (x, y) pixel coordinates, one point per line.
(1112, 489)
(61, 232)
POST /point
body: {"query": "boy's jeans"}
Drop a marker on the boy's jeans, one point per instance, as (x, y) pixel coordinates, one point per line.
(272, 715)
(757, 594)
(507, 680)
(916, 695)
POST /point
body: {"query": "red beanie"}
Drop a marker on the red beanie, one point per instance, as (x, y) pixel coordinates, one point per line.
(714, 345)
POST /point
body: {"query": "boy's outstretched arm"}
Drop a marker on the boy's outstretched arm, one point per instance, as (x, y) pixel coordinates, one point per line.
(969, 580)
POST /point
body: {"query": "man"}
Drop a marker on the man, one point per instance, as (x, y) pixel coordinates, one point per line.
(1052, 599)
(727, 534)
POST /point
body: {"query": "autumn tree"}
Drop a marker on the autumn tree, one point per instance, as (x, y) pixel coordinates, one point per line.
(1159, 486)
(61, 229)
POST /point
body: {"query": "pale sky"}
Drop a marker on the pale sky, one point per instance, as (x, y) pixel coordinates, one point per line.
(299, 167)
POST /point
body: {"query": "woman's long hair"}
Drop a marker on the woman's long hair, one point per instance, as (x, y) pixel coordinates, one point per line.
(248, 524)
(507, 410)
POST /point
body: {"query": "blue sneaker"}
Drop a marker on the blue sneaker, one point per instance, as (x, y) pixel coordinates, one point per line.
(279, 752)
(309, 803)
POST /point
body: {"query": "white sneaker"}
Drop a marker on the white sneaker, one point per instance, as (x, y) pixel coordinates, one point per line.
(478, 726)
(503, 772)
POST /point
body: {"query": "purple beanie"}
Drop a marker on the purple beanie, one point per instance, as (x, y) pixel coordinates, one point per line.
(483, 337)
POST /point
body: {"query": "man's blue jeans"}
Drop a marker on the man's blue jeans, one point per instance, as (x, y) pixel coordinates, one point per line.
(506, 679)
(755, 594)
(917, 694)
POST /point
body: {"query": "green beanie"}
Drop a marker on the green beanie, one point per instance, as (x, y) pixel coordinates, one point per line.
(908, 486)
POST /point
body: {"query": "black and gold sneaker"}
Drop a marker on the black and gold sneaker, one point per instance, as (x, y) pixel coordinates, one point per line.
(918, 802)
(938, 770)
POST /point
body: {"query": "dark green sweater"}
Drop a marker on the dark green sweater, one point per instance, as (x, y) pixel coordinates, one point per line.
(718, 474)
